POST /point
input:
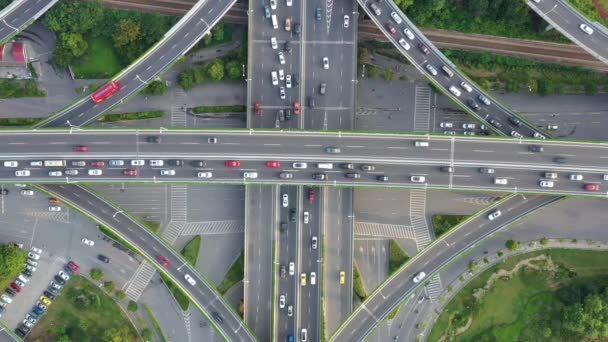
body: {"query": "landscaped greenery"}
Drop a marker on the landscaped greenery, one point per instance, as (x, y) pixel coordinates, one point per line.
(157, 327)
(155, 88)
(179, 295)
(190, 253)
(396, 256)
(358, 286)
(14, 88)
(19, 121)
(132, 116)
(154, 226)
(83, 313)
(220, 33)
(191, 249)
(511, 74)
(12, 259)
(443, 223)
(100, 62)
(545, 299)
(588, 8)
(219, 109)
(235, 273)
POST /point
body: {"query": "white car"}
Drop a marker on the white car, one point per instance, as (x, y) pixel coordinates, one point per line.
(138, 162)
(95, 172)
(575, 177)
(583, 27)
(205, 175)
(19, 283)
(6, 299)
(33, 256)
(282, 93)
(22, 173)
(11, 163)
(273, 4)
(306, 217)
(27, 192)
(285, 200)
(250, 175)
(292, 268)
(273, 42)
(281, 74)
(288, 81)
(71, 172)
(313, 278)
(446, 125)
(289, 310)
(419, 277)
(515, 134)
(325, 63)
(275, 79)
(468, 125)
(281, 57)
(63, 275)
(281, 301)
(314, 242)
(289, 2)
(88, 242)
(546, 184)
(396, 18)
(408, 33)
(404, 44)
(55, 173)
(30, 268)
(493, 215)
(500, 181)
(417, 179)
(54, 208)
(167, 172)
(36, 250)
(454, 91)
(157, 162)
(431, 69)
(466, 87)
(190, 280)
(346, 21)
(299, 165)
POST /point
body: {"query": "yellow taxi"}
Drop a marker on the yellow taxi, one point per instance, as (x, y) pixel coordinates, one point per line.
(45, 300)
(303, 279)
(342, 277)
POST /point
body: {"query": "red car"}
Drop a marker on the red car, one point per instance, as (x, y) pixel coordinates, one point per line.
(258, 109)
(72, 265)
(296, 107)
(391, 29)
(233, 163)
(311, 194)
(98, 163)
(129, 172)
(16, 287)
(162, 260)
(592, 187)
(81, 148)
(273, 163)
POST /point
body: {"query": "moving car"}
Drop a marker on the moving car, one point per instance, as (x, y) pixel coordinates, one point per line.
(319, 176)
(281, 57)
(273, 43)
(332, 149)
(153, 139)
(204, 174)
(306, 217)
(273, 164)
(486, 170)
(500, 181)
(281, 301)
(22, 173)
(466, 87)
(313, 278)
(55, 173)
(233, 163)
(167, 172)
(591, 187)
(417, 179)
(419, 277)
(11, 163)
(129, 172)
(546, 184)
(286, 175)
(404, 44)
(190, 280)
(396, 18)
(575, 177)
(352, 175)
(423, 48)
(325, 63)
(390, 29)
(318, 13)
(431, 69)
(408, 33)
(303, 279)
(314, 242)
(586, 29)
(367, 168)
(346, 21)
(292, 268)
(250, 175)
(81, 148)
(95, 172)
(473, 104)
(138, 162)
(342, 277)
(493, 215)
(535, 148)
(98, 163)
(88, 242)
(484, 100)
(103, 258)
(285, 201)
(162, 260)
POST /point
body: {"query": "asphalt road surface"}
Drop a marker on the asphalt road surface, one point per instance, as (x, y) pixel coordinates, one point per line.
(22, 15)
(430, 260)
(206, 298)
(567, 20)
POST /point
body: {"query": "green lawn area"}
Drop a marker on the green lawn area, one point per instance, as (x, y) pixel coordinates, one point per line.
(358, 286)
(443, 223)
(84, 313)
(132, 116)
(100, 61)
(219, 109)
(396, 256)
(235, 273)
(588, 9)
(523, 305)
(190, 251)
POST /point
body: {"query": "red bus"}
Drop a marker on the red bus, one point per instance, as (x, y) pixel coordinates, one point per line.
(105, 91)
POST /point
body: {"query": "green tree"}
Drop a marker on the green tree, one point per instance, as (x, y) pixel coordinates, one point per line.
(186, 79)
(234, 70)
(215, 70)
(372, 71)
(388, 74)
(96, 274)
(512, 245)
(218, 32)
(146, 334)
(120, 294)
(117, 335)
(132, 306)
(109, 286)
(61, 338)
(12, 259)
(156, 88)
(74, 16)
(589, 318)
(126, 33)
(70, 47)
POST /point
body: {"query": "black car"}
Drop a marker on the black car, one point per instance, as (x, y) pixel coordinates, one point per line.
(153, 139)
(283, 227)
(288, 46)
(319, 176)
(294, 80)
(20, 332)
(68, 270)
(10, 292)
(4, 192)
(447, 169)
(347, 166)
(423, 48)
(103, 258)
(473, 104)
(1, 309)
(25, 328)
(27, 273)
(535, 148)
(382, 178)
(515, 121)
(293, 215)
(175, 162)
(367, 167)
(59, 280)
(287, 114)
(49, 294)
(353, 175)
(198, 163)
(297, 28)
(217, 317)
(560, 160)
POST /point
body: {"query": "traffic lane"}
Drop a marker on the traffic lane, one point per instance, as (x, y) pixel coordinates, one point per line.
(430, 260)
(259, 250)
(205, 295)
(322, 119)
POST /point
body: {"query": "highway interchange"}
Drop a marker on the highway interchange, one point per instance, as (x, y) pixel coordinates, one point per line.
(395, 156)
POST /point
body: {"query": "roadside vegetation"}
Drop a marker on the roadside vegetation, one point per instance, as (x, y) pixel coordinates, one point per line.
(19, 121)
(219, 109)
(155, 88)
(132, 116)
(511, 74)
(551, 295)
(358, 286)
(396, 256)
(83, 313)
(190, 253)
(15, 88)
(443, 223)
(596, 10)
(235, 273)
(12, 259)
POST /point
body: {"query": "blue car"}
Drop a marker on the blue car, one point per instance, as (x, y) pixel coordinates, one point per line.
(267, 12)
(34, 314)
(38, 311)
(318, 13)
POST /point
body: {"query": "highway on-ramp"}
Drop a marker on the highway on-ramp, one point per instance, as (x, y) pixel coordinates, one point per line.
(399, 286)
(19, 14)
(203, 293)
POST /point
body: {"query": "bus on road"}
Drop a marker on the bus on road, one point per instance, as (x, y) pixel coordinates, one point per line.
(54, 163)
(105, 91)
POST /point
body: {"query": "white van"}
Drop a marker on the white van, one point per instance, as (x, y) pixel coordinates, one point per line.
(275, 24)
(421, 143)
(327, 166)
(454, 90)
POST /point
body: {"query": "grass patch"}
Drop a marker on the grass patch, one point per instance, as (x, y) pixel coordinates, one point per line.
(19, 121)
(154, 226)
(394, 313)
(396, 256)
(443, 223)
(219, 109)
(235, 273)
(14, 88)
(100, 62)
(131, 116)
(588, 9)
(527, 305)
(178, 294)
(191, 249)
(155, 323)
(82, 312)
(358, 286)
